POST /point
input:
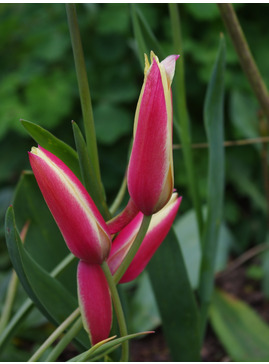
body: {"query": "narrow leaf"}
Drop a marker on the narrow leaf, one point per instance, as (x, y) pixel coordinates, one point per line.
(146, 40)
(56, 146)
(175, 300)
(213, 118)
(107, 345)
(242, 332)
(90, 181)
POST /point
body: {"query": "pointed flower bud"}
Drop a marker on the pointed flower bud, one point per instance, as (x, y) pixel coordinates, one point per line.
(159, 227)
(94, 301)
(82, 226)
(150, 173)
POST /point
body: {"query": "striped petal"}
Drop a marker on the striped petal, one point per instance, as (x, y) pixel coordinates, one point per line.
(150, 175)
(94, 301)
(158, 229)
(82, 226)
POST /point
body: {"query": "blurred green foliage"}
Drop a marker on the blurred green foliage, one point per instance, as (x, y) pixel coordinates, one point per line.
(38, 83)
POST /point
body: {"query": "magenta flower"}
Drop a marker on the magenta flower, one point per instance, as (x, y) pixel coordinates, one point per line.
(158, 229)
(93, 290)
(82, 226)
(150, 175)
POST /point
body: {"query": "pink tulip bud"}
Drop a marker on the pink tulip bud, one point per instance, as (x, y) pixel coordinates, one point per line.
(150, 175)
(158, 229)
(94, 301)
(82, 226)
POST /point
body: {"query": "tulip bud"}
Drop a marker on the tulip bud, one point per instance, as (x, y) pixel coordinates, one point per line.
(94, 301)
(150, 173)
(82, 226)
(159, 227)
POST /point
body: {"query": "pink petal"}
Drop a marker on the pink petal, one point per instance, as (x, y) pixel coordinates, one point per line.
(80, 222)
(169, 64)
(150, 172)
(94, 301)
(158, 229)
(120, 221)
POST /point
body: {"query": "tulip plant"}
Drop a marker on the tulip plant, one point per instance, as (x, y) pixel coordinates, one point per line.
(110, 247)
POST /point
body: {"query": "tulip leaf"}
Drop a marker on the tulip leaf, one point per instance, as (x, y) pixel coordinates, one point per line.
(56, 146)
(175, 300)
(89, 178)
(213, 118)
(181, 116)
(102, 348)
(49, 295)
(146, 40)
(240, 329)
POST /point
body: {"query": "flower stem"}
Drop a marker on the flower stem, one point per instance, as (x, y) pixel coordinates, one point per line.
(84, 90)
(118, 310)
(245, 57)
(12, 289)
(67, 338)
(60, 329)
(118, 199)
(133, 250)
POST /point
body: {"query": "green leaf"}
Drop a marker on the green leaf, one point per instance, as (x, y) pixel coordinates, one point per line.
(241, 331)
(182, 120)
(102, 348)
(54, 145)
(146, 41)
(187, 233)
(49, 295)
(93, 186)
(141, 310)
(213, 119)
(175, 300)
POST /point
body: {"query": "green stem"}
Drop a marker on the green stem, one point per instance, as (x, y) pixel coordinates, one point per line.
(133, 250)
(84, 90)
(67, 338)
(62, 265)
(11, 293)
(246, 59)
(183, 126)
(60, 329)
(118, 310)
(118, 199)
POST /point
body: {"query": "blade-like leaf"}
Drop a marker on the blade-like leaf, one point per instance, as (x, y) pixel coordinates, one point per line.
(146, 40)
(181, 116)
(49, 295)
(213, 118)
(56, 146)
(175, 300)
(242, 332)
(101, 349)
(90, 181)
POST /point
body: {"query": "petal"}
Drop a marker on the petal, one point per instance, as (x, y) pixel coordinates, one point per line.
(169, 64)
(94, 301)
(120, 221)
(150, 172)
(159, 227)
(80, 222)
